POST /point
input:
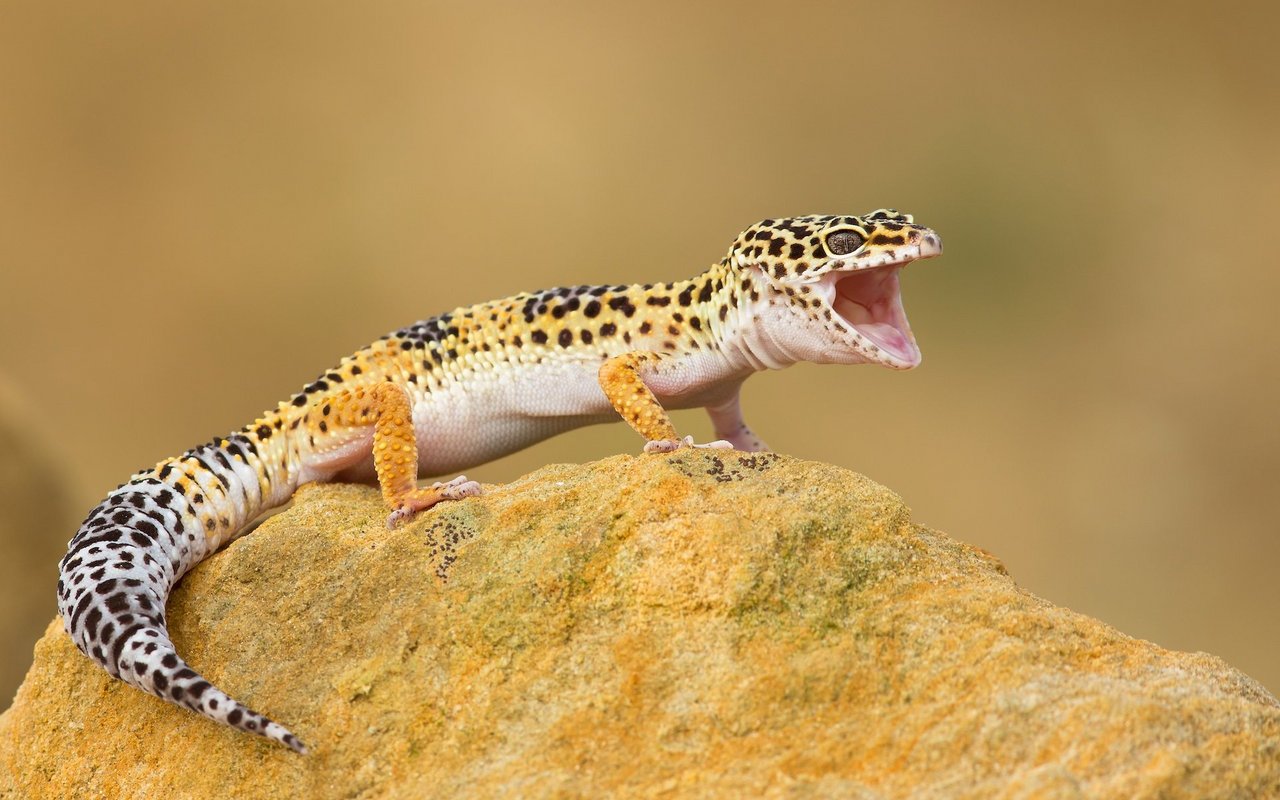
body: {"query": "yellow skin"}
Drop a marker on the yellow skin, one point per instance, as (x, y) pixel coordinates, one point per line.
(479, 382)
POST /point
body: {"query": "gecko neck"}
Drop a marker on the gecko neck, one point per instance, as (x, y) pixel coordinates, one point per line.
(738, 311)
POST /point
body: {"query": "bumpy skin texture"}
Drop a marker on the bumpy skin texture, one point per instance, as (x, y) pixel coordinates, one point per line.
(468, 386)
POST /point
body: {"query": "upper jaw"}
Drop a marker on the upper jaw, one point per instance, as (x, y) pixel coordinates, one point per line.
(927, 245)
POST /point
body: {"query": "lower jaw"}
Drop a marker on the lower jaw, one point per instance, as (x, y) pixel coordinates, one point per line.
(898, 346)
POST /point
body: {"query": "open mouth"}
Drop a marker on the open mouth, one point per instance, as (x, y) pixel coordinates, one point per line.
(870, 302)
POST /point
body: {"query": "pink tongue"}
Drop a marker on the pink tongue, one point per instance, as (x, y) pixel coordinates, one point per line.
(887, 336)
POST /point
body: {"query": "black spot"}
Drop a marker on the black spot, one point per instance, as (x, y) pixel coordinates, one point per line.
(659, 301)
(686, 297)
(169, 660)
(118, 603)
(565, 338)
(592, 309)
(234, 717)
(539, 337)
(587, 337)
(696, 323)
(775, 247)
(608, 329)
(91, 621)
(705, 294)
(121, 640)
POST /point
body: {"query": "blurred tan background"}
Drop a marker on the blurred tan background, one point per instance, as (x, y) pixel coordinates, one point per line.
(203, 205)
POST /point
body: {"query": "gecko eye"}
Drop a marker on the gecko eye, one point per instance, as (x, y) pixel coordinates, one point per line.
(842, 243)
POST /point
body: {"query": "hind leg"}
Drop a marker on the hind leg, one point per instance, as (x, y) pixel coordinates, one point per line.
(395, 449)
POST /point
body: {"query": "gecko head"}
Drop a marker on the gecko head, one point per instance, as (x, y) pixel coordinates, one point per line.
(830, 285)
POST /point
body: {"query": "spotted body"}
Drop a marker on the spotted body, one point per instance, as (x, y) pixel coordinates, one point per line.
(465, 387)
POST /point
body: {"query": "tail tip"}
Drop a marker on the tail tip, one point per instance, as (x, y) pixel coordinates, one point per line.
(294, 743)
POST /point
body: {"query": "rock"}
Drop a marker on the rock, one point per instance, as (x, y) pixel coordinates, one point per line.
(695, 624)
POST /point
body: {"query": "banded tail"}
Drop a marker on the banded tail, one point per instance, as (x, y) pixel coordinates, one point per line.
(136, 544)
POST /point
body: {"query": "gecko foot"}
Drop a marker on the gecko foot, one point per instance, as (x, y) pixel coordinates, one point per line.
(422, 499)
(668, 445)
(457, 488)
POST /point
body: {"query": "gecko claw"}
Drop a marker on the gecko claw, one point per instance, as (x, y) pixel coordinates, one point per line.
(670, 445)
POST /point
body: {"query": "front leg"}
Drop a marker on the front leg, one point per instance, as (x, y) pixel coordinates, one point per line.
(622, 380)
(729, 425)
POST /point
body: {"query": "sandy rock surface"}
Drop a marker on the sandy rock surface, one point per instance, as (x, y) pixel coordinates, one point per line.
(698, 624)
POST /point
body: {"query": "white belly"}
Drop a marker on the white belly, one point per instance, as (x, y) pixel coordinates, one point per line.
(499, 411)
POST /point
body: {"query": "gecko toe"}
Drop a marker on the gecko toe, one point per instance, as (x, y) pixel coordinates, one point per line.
(398, 517)
(459, 488)
(719, 444)
(661, 445)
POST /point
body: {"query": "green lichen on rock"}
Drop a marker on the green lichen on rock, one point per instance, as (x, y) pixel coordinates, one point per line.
(702, 623)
